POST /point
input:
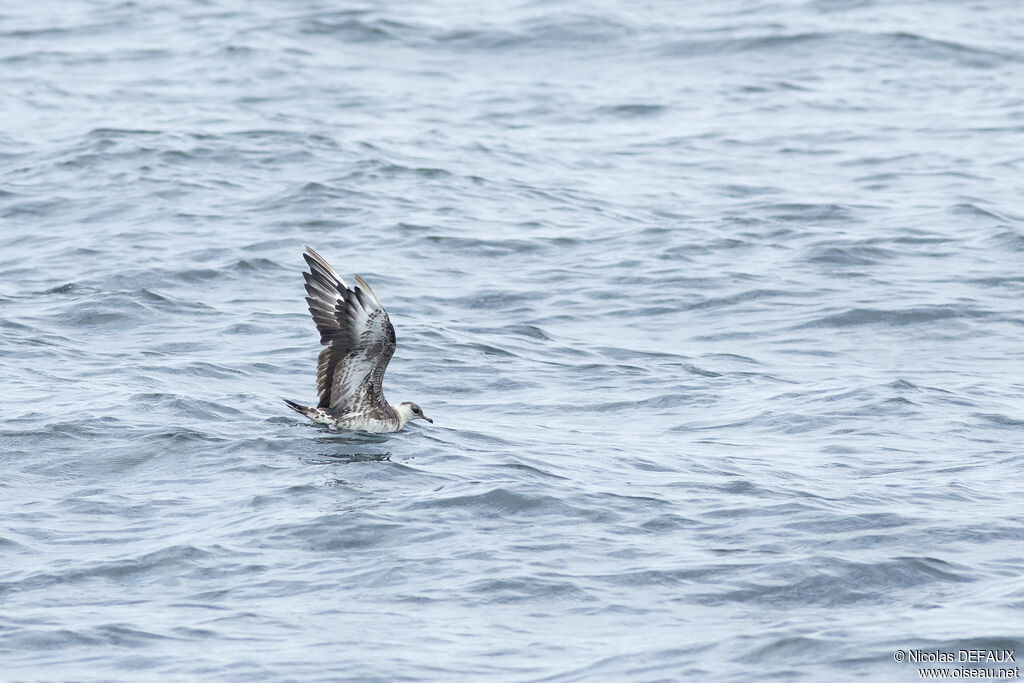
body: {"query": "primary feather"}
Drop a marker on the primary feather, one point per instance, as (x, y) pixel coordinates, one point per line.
(358, 340)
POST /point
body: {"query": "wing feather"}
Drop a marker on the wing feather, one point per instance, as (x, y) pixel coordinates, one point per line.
(358, 340)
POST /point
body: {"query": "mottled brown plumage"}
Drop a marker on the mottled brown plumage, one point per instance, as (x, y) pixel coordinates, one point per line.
(358, 340)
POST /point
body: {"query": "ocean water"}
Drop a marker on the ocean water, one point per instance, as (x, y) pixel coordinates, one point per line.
(716, 307)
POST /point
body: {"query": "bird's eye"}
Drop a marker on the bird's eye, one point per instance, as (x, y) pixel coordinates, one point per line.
(416, 410)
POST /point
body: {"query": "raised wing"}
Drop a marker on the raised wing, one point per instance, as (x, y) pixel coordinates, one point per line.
(359, 340)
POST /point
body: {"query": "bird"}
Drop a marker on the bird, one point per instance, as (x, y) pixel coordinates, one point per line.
(358, 340)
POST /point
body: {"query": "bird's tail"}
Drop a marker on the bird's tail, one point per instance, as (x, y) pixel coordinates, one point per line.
(304, 410)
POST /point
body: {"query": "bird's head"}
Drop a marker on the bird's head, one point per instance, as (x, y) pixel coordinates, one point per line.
(408, 410)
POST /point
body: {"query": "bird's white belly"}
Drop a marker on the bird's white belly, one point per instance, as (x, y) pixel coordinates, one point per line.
(361, 424)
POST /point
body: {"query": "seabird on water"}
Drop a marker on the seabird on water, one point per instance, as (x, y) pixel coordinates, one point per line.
(358, 340)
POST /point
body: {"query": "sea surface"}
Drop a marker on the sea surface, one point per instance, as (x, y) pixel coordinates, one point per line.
(718, 308)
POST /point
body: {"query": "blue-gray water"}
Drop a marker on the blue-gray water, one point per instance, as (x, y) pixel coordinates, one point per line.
(716, 307)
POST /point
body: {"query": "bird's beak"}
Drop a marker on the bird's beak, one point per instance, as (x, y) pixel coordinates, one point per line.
(428, 419)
